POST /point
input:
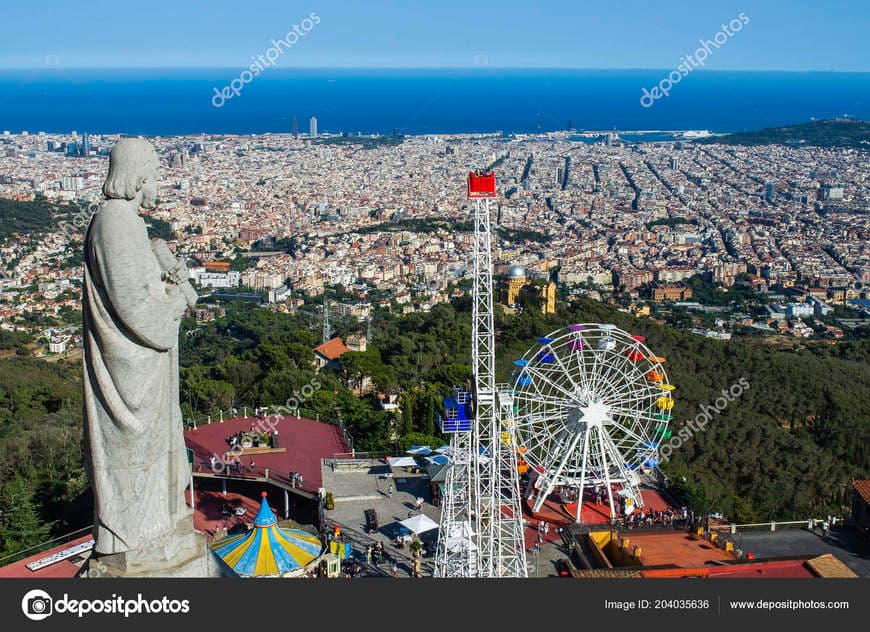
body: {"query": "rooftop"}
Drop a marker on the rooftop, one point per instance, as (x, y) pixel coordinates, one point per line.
(843, 542)
(332, 349)
(760, 568)
(676, 547)
(863, 489)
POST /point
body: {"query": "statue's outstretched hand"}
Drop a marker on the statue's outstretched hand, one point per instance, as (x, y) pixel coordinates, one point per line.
(174, 270)
(179, 273)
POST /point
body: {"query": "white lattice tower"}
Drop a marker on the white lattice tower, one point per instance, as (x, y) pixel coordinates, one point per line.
(457, 555)
(481, 531)
(510, 558)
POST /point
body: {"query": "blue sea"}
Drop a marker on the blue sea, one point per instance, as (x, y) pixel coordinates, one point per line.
(182, 101)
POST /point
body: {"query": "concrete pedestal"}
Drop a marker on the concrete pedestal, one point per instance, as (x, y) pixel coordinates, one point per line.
(185, 554)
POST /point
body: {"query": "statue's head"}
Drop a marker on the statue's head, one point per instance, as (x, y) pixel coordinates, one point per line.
(133, 166)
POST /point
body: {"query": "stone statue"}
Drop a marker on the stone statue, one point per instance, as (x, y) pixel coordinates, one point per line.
(135, 294)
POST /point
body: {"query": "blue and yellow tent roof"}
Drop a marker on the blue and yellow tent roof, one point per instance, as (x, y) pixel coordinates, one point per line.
(268, 549)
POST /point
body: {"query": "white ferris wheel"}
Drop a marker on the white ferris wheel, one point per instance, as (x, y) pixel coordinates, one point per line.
(591, 404)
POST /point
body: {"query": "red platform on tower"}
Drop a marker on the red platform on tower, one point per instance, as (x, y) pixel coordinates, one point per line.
(481, 184)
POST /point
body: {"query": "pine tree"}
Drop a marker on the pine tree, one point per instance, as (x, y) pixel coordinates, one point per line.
(20, 524)
(430, 416)
(408, 413)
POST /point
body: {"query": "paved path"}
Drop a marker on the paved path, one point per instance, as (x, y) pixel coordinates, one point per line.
(356, 491)
(368, 488)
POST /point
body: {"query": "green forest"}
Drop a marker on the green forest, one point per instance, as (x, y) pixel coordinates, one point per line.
(26, 217)
(822, 133)
(786, 449)
(43, 486)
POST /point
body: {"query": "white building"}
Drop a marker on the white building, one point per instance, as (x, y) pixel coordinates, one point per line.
(280, 294)
(216, 279)
(58, 344)
(799, 310)
(72, 183)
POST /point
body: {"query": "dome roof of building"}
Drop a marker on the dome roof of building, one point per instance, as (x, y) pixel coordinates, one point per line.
(516, 272)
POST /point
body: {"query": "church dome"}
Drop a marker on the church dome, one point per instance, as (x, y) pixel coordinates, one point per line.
(516, 272)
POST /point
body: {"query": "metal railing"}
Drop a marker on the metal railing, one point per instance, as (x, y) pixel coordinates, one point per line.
(765, 526)
(367, 459)
(262, 474)
(42, 546)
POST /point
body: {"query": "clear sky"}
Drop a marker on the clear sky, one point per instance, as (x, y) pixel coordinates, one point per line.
(780, 35)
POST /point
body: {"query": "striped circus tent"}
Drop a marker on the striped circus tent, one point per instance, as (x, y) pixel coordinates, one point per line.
(267, 549)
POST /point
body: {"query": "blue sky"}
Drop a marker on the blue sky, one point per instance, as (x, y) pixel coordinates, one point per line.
(780, 35)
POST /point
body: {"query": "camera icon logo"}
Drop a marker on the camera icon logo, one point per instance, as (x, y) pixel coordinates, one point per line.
(37, 605)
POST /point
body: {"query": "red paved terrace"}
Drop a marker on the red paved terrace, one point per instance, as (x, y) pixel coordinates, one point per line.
(209, 516)
(676, 547)
(305, 442)
(533, 530)
(556, 512)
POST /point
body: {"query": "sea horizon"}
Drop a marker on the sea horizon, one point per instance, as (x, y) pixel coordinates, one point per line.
(175, 101)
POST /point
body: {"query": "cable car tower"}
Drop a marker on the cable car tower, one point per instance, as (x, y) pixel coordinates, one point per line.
(481, 531)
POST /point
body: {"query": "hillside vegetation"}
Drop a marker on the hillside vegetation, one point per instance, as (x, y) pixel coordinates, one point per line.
(785, 449)
(825, 133)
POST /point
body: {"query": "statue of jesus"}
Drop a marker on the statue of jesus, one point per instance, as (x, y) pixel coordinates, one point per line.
(135, 294)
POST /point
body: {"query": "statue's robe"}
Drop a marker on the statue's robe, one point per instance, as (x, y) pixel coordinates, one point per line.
(134, 450)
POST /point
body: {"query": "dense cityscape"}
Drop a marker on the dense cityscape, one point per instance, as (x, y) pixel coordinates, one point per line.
(774, 238)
